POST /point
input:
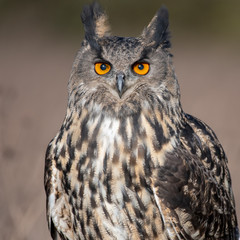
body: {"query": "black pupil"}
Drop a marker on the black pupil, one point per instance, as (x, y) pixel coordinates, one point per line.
(140, 67)
(103, 67)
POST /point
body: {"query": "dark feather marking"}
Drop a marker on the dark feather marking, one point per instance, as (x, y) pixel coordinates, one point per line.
(140, 203)
(173, 113)
(148, 165)
(93, 201)
(188, 134)
(138, 213)
(137, 188)
(91, 151)
(105, 162)
(145, 185)
(107, 214)
(81, 193)
(101, 197)
(47, 180)
(170, 129)
(165, 94)
(55, 150)
(91, 237)
(61, 131)
(62, 153)
(71, 202)
(82, 226)
(81, 162)
(136, 123)
(127, 175)
(78, 95)
(141, 231)
(93, 142)
(71, 158)
(218, 152)
(107, 182)
(92, 187)
(125, 195)
(80, 175)
(78, 207)
(71, 152)
(59, 165)
(160, 138)
(218, 170)
(69, 140)
(96, 228)
(67, 184)
(68, 124)
(160, 107)
(206, 154)
(53, 231)
(122, 132)
(154, 229)
(89, 216)
(47, 154)
(84, 133)
(74, 193)
(128, 215)
(73, 211)
(97, 128)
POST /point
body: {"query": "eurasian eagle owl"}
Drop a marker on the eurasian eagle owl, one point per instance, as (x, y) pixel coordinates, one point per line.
(128, 162)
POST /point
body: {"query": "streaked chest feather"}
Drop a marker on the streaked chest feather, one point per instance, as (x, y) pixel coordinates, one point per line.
(107, 167)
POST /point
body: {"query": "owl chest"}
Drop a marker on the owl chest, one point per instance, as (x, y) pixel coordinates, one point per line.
(116, 151)
(110, 175)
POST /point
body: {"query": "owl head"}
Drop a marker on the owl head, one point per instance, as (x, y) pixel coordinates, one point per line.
(123, 74)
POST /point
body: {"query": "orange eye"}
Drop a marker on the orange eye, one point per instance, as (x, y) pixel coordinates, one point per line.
(141, 68)
(102, 68)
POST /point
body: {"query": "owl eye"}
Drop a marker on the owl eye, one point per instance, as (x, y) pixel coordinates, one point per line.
(102, 68)
(141, 68)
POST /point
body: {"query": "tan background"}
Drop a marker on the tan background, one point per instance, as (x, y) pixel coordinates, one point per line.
(38, 43)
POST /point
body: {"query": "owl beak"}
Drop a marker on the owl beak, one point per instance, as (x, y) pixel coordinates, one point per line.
(120, 83)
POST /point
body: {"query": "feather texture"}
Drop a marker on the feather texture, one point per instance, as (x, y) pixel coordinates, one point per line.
(135, 165)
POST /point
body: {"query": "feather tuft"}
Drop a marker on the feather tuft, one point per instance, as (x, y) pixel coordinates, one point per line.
(95, 23)
(157, 33)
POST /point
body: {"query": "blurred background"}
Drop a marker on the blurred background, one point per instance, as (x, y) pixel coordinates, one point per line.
(38, 43)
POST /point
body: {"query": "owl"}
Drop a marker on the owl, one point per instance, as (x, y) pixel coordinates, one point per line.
(128, 162)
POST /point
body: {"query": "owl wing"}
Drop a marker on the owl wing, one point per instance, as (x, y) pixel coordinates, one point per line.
(193, 188)
(58, 209)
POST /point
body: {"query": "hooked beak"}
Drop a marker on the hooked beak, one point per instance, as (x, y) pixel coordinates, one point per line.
(120, 83)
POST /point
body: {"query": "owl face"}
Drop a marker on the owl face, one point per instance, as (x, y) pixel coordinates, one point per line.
(120, 65)
(111, 70)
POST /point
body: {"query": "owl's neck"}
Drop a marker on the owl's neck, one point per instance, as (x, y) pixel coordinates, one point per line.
(132, 120)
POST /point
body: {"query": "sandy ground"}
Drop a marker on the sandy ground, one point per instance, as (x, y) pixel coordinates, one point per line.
(34, 71)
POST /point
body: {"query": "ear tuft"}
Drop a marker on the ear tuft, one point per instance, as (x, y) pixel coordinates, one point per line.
(95, 23)
(157, 33)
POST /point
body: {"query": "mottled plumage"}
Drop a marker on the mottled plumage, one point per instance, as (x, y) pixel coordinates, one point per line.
(128, 163)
